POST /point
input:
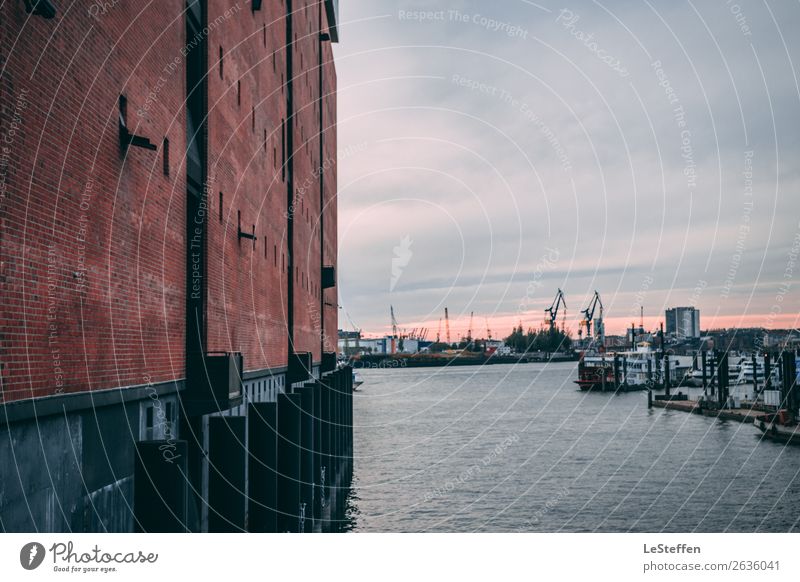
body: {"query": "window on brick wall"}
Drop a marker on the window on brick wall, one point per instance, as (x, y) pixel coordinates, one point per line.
(220, 207)
(283, 149)
(239, 93)
(165, 154)
(221, 76)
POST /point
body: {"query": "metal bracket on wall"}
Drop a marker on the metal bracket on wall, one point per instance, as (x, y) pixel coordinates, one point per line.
(251, 236)
(126, 138)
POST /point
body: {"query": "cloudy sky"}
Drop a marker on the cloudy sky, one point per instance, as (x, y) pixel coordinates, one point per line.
(492, 152)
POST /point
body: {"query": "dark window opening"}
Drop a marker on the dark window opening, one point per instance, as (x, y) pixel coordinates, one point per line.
(283, 149)
(148, 422)
(253, 119)
(123, 110)
(220, 207)
(165, 153)
(239, 93)
(221, 75)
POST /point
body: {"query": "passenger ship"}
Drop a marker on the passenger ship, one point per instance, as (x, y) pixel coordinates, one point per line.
(638, 369)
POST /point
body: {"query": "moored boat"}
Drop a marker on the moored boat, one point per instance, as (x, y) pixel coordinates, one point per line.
(595, 375)
(778, 427)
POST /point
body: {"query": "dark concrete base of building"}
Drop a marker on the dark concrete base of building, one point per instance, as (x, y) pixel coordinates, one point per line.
(104, 461)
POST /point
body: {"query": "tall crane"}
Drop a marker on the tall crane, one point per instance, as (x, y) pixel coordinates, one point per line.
(447, 326)
(439, 331)
(552, 311)
(394, 329)
(588, 314)
(346, 335)
(488, 331)
(469, 330)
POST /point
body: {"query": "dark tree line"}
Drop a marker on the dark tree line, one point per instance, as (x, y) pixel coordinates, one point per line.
(522, 341)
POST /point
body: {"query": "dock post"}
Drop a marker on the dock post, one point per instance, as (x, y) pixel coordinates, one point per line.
(317, 456)
(704, 358)
(767, 372)
(793, 387)
(649, 398)
(161, 487)
(289, 509)
(349, 413)
(306, 455)
(227, 462)
(262, 467)
(625, 369)
(722, 378)
(616, 372)
(666, 375)
(325, 470)
(755, 376)
(712, 368)
(789, 374)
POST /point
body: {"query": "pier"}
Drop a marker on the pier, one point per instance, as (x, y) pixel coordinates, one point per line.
(775, 416)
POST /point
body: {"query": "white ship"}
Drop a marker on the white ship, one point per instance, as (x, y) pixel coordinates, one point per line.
(640, 367)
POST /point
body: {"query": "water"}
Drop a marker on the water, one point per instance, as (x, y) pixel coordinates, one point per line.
(518, 448)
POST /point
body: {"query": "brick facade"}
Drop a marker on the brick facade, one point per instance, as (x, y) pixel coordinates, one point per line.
(93, 235)
(162, 181)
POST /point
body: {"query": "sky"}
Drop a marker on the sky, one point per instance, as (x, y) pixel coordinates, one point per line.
(491, 153)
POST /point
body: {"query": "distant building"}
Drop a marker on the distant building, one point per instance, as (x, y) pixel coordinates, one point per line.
(683, 322)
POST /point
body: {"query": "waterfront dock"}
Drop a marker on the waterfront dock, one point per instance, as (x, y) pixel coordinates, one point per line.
(747, 413)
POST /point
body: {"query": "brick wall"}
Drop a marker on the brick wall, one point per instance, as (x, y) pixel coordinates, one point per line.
(330, 190)
(247, 104)
(91, 273)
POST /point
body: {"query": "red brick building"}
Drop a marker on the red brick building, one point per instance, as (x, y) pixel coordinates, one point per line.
(168, 202)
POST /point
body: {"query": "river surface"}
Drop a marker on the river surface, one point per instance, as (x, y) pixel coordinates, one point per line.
(518, 448)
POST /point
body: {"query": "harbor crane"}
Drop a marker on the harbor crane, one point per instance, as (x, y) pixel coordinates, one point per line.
(469, 330)
(394, 329)
(588, 314)
(347, 336)
(447, 326)
(552, 311)
(488, 331)
(439, 331)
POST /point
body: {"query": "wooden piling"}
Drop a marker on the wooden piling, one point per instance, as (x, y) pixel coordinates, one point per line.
(227, 462)
(704, 358)
(262, 493)
(289, 497)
